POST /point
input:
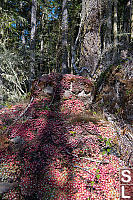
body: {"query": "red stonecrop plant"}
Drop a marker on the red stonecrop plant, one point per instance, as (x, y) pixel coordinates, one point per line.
(59, 160)
(72, 106)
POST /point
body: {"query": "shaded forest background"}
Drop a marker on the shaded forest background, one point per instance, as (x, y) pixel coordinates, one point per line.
(83, 37)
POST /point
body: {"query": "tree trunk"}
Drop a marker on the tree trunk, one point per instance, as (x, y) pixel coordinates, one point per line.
(74, 46)
(23, 39)
(131, 20)
(115, 24)
(73, 61)
(1, 88)
(33, 42)
(64, 37)
(115, 30)
(108, 33)
(42, 45)
(41, 60)
(90, 48)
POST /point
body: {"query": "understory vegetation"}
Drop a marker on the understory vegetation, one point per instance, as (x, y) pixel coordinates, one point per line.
(58, 147)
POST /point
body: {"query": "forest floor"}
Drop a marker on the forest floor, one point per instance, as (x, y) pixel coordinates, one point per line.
(58, 148)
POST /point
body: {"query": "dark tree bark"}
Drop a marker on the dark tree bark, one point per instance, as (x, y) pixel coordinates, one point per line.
(115, 24)
(33, 42)
(64, 37)
(108, 42)
(75, 43)
(115, 32)
(42, 46)
(1, 87)
(132, 20)
(23, 38)
(106, 33)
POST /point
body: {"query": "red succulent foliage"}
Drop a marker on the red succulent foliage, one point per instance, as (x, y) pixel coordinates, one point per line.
(53, 157)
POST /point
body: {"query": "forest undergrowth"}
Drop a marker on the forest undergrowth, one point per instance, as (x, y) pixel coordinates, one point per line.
(59, 148)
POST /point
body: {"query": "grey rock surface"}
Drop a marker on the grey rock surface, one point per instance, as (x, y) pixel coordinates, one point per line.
(48, 90)
(17, 140)
(5, 186)
(67, 94)
(82, 94)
